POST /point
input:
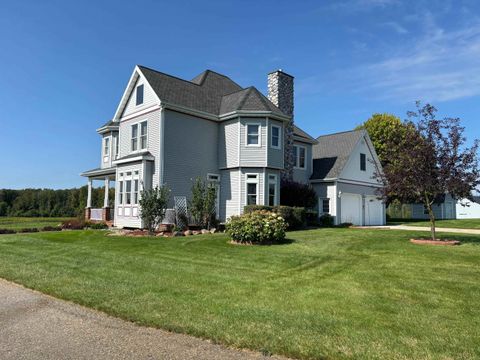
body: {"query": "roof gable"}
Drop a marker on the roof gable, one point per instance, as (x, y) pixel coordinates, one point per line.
(249, 99)
(331, 153)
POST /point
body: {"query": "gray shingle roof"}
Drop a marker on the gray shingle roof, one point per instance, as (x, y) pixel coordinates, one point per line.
(302, 134)
(209, 92)
(332, 152)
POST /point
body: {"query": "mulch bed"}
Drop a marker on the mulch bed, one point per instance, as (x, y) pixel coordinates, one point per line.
(435, 242)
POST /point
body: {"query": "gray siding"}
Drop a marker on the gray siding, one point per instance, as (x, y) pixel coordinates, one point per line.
(303, 175)
(228, 148)
(253, 155)
(149, 99)
(190, 151)
(229, 193)
(275, 156)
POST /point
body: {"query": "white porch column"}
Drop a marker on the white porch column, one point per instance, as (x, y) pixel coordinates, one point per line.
(107, 187)
(89, 194)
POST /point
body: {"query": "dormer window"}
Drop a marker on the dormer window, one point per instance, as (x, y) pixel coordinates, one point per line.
(139, 93)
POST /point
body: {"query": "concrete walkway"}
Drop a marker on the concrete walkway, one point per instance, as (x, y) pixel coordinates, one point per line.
(37, 326)
(422, 228)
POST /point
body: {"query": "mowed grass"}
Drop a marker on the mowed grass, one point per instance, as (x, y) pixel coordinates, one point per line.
(17, 223)
(456, 224)
(329, 294)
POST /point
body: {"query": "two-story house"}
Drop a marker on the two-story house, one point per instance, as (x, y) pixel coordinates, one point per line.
(168, 131)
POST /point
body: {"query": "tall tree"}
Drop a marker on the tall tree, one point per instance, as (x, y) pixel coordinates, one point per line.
(433, 161)
(385, 130)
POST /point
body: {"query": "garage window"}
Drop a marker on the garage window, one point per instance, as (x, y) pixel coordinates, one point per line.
(325, 206)
(363, 162)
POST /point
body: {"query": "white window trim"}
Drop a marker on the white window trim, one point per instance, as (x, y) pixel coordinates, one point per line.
(252, 181)
(272, 181)
(297, 160)
(259, 134)
(139, 132)
(143, 97)
(279, 147)
(320, 205)
(213, 177)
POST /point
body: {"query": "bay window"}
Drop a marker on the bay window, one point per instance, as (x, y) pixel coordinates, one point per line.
(252, 189)
(276, 137)
(253, 135)
(272, 190)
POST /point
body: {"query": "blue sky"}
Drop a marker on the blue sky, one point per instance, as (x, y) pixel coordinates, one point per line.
(65, 65)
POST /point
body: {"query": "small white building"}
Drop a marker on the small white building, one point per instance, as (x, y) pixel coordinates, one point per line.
(467, 209)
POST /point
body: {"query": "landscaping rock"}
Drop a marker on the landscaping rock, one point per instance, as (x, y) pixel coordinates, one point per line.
(188, 233)
(213, 231)
(178, 233)
(195, 232)
(205, 231)
(160, 233)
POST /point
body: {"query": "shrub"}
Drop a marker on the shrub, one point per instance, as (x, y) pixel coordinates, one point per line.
(153, 204)
(202, 204)
(297, 194)
(51, 228)
(326, 220)
(311, 218)
(345, 225)
(74, 224)
(96, 225)
(294, 216)
(257, 227)
(28, 230)
(7, 231)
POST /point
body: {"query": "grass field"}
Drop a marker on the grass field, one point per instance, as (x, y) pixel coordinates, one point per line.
(17, 223)
(329, 294)
(456, 224)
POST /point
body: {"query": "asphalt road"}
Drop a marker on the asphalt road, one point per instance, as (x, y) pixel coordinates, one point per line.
(37, 326)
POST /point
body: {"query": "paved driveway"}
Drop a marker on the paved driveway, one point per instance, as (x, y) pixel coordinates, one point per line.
(422, 228)
(37, 326)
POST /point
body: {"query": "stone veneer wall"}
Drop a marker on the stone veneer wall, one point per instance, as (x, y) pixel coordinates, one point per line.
(280, 92)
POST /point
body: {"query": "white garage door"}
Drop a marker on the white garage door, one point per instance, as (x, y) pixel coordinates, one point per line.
(351, 209)
(373, 211)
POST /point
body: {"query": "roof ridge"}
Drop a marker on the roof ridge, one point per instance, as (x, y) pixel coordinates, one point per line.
(172, 76)
(245, 97)
(262, 99)
(242, 89)
(341, 132)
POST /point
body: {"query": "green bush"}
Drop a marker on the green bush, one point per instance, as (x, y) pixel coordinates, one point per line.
(28, 230)
(326, 220)
(74, 224)
(294, 216)
(257, 227)
(7, 231)
(96, 225)
(51, 228)
(297, 194)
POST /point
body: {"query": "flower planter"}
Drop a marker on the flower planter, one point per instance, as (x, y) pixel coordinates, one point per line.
(435, 242)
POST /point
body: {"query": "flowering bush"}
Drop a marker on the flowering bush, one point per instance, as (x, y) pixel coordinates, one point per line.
(257, 227)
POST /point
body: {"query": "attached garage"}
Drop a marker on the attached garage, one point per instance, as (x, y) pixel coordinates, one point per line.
(351, 208)
(373, 211)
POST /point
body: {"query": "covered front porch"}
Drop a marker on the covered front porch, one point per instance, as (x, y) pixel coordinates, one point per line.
(106, 212)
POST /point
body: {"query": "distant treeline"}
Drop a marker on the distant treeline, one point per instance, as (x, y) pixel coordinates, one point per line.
(49, 203)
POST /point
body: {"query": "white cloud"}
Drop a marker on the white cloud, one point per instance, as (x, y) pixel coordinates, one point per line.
(396, 27)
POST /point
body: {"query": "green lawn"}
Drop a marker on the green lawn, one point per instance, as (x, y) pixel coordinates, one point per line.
(329, 294)
(457, 224)
(18, 223)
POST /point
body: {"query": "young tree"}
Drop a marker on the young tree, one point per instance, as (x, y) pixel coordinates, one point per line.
(153, 204)
(202, 204)
(433, 160)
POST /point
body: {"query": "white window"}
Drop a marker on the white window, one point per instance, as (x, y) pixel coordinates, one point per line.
(252, 189)
(128, 192)
(253, 134)
(135, 191)
(272, 190)
(117, 146)
(299, 153)
(134, 137)
(120, 192)
(139, 131)
(325, 206)
(106, 146)
(276, 139)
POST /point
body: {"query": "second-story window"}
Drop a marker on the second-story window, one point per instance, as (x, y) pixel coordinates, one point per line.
(253, 134)
(106, 146)
(276, 137)
(139, 94)
(139, 136)
(299, 153)
(363, 162)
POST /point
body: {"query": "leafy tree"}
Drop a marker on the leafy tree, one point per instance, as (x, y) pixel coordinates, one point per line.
(202, 203)
(153, 204)
(297, 194)
(385, 130)
(433, 161)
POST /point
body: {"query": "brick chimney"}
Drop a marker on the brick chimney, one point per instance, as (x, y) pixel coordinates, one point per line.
(280, 92)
